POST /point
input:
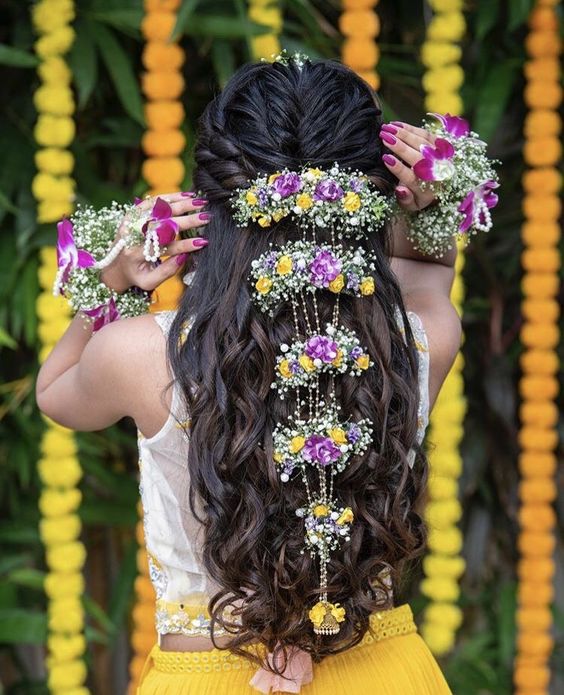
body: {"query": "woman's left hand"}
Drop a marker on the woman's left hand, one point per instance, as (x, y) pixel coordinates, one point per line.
(404, 142)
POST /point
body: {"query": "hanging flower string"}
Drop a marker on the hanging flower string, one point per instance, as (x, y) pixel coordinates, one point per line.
(59, 467)
(360, 25)
(443, 564)
(267, 13)
(538, 387)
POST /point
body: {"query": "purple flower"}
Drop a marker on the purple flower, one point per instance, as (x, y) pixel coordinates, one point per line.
(353, 435)
(310, 523)
(321, 450)
(357, 185)
(436, 164)
(353, 282)
(262, 197)
(328, 190)
(321, 347)
(68, 256)
(286, 184)
(476, 205)
(459, 127)
(324, 268)
(356, 352)
(288, 466)
(270, 261)
(295, 367)
(103, 314)
(160, 219)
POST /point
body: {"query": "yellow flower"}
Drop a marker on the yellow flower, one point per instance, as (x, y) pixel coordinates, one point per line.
(54, 131)
(277, 215)
(66, 557)
(304, 201)
(315, 172)
(58, 442)
(338, 612)
(337, 284)
(60, 472)
(59, 529)
(54, 161)
(54, 70)
(284, 265)
(277, 456)
(317, 613)
(263, 285)
(338, 361)
(66, 647)
(57, 502)
(351, 201)
(284, 369)
(47, 187)
(251, 198)
(55, 43)
(363, 361)
(67, 676)
(434, 54)
(272, 178)
(321, 510)
(307, 363)
(64, 584)
(448, 26)
(57, 100)
(264, 221)
(297, 444)
(49, 16)
(338, 435)
(346, 517)
(446, 79)
(66, 614)
(367, 286)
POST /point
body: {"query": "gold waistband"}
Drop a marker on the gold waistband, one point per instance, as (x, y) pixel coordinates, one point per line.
(383, 625)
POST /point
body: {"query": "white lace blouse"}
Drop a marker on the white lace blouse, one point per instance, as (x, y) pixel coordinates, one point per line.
(173, 536)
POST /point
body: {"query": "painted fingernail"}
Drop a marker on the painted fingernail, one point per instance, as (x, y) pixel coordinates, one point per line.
(181, 258)
(205, 216)
(389, 160)
(187, 194)
(199, 242)
(398, 123)
(401, 193)
(387, 138)
(199, 202)
(389, 128)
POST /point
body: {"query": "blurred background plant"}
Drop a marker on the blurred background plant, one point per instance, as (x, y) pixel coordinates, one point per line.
(216, 36)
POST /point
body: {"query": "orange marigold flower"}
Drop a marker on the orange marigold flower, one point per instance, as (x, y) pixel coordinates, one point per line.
(535, 593)
(534, 618)
(542, 69)
(360, 54)
(162, 56)
(162, 5)
(540, 207)
(358, 4)
(541, 44)
(540, 414)
(540, 233)
(163, 143)
(548, 179)
(164, 115)
(531, 677)
(540, 335)
(542, 363)
(541, 94)
(359, 23)
(371, 77)
(540, 285)
(542, 151)
(163, 172)
(158, 26)
(543, 18)
(542, 259)
(535, 643)
(539, 490)
(538, 438)
(536, 517)
(162, 85)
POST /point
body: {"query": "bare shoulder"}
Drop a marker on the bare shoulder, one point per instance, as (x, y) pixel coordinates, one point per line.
(444, 332)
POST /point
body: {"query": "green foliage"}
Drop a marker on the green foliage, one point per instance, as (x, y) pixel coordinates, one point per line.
(106, 64)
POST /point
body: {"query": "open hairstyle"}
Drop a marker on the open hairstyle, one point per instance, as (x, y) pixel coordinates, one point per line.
(268, 117)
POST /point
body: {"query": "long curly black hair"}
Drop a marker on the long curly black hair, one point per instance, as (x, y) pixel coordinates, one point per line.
(268, 117)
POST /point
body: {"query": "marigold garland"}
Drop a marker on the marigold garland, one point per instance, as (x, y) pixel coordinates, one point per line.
(360, 25)
(443, 566)
(540, 335)
(59, 468)
(267, 13)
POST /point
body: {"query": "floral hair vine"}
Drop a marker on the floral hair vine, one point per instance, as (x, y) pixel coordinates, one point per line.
(285, 58)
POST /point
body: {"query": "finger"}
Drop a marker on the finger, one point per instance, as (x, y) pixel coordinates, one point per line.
(198, 219)
(184, 246)
(403, 173)
(150, 279)
(406, 199)
(184, 205)
(408, 137)
(405, 152)
(421, 132)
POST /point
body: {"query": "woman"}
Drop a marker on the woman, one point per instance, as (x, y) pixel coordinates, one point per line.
(223, 528)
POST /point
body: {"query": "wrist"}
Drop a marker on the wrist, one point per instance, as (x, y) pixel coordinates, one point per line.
(114, 279)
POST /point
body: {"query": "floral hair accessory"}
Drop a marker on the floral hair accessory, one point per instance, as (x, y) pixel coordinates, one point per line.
(306, 266)
(315, 198)
(463, 179)
(286, 58)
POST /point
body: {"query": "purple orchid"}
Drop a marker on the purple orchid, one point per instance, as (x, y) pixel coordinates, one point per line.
(295, 367)
(161, 221)
(321, 450)
(476, 205)
(454, 125)
(262, 196)
(357, 185)
(286, 184)
(103, 314)
(324, 268)
(353, 434)
(436, 164)
(353, 282)
(356, 352)
(321, 347)
(328, 190)
(68, 256)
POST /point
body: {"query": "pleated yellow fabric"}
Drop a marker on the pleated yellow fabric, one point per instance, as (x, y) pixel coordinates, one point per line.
(393, 660)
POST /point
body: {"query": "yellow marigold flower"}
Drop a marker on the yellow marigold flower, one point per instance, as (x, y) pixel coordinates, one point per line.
(445, 613)
(315, 172)
(49, 16)
(439, 638)
(66, 647)
(346, 517)
(443, 101)
(57, 100)
(63, 584)
(338, 361)
(54, 131)
(277, 456)
(46, 186)
(59, 529)
(57, 502)
(54, 161)
(284, 265)
(264, 221)
(58, 442)
(272, 178)
(251, 198)
(317, 613)
(265, 46)
(449, 26)
(65, 614)
(363, 361)
(66, 557)
(440, 588)
(435, 54)
(55, 43)
(54, 70)
(60, 472)
(66, 676)
(297, 444)
(351, 201)
(321, 510)
(284, 369)
(448, 78)
(337, 284)
(338, 435)
(264, 285)
(304, 201)
(367, 286)
(307, 363)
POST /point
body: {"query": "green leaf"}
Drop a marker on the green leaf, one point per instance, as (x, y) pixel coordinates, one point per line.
(222, 27)
(493, 97)
(18, 626)
(34, 579)
(223, 60)
(84, 62)
(121, 71)
(519, 10)
(183, 17)
(16, 57)
(120, 19)
(486, 17)
(6, 340)
(506, 623)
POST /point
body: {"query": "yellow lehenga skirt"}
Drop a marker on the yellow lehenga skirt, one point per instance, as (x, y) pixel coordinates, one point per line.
(392, 659)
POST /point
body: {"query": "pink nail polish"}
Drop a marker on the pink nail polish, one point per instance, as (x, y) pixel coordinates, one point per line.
(401, 193)
(205, 216)
(387, 138)
(199, 242)
(187, 194)
(399, 124)
(389, 160)
(389, 128)
(199, 202)
(181, 258)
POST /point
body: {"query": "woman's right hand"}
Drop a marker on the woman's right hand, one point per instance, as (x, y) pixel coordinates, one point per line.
(130, 269)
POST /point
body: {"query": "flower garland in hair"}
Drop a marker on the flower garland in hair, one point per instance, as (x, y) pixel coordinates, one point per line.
(443, 564)
(59, 467)
(538, 436)
(267, 13)
(163, 142)
(360, 25)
